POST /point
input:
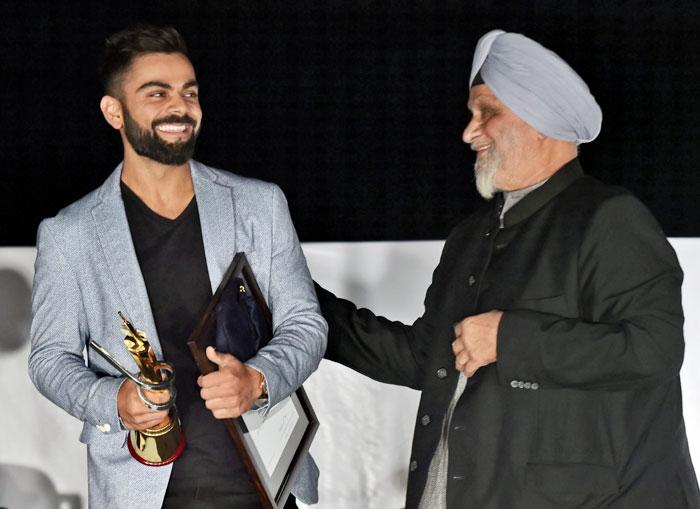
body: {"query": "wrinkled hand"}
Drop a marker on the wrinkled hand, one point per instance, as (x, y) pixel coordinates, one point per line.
(232, 390)
(134, 413)
(475, 343)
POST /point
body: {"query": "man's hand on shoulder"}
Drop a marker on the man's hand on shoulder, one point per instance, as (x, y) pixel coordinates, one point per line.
(232, 390)
(134, 413)
(475, 343)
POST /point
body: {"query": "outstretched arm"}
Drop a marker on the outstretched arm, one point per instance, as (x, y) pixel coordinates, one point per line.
(372, 345)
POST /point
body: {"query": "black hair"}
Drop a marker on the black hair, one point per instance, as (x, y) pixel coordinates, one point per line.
(123, 47)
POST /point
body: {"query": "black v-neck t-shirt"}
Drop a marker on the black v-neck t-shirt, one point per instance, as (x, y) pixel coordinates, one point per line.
(174, 268)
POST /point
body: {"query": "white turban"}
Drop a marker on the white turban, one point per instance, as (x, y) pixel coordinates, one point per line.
(537, 85)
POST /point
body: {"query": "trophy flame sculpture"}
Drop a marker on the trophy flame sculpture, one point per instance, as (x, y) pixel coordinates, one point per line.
(165, 442)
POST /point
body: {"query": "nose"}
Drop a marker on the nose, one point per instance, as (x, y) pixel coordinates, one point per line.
(471, 131)
(177, 104)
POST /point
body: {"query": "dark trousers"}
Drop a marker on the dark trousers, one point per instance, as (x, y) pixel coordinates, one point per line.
(193, 495)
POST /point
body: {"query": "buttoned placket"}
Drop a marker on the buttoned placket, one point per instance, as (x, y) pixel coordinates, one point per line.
(439, 474)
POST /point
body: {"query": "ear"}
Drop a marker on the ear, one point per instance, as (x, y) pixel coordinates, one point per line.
(112, 111)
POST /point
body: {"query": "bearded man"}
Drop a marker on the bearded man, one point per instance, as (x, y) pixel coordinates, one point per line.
(154, 241)
(549, 352)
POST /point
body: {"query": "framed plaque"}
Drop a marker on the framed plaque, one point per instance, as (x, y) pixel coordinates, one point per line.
(240, 323)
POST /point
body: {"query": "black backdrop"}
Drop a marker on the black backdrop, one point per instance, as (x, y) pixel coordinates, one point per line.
(355, 109)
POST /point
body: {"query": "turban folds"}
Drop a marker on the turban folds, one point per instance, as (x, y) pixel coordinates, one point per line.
(537, 85)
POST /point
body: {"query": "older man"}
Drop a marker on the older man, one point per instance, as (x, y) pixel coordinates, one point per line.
(559, 304)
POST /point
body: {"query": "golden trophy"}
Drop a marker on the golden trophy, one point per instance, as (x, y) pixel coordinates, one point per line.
(165, 442)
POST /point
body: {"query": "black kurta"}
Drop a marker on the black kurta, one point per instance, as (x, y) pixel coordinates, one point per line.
(583, 406)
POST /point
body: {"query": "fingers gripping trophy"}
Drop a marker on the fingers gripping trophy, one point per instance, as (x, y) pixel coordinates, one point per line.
(165, 442)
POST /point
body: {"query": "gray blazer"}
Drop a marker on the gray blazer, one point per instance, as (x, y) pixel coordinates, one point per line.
(87, 270)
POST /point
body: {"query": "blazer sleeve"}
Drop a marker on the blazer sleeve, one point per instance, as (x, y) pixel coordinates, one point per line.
(299, 330)
(58, 338)
(629, 332)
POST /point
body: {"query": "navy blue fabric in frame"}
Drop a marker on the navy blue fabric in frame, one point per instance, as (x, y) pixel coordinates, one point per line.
(241, 328)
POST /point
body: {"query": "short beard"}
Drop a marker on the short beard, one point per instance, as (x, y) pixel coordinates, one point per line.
(485, 174)
(148, 144)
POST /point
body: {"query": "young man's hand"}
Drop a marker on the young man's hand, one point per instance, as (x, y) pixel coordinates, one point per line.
(233, 389)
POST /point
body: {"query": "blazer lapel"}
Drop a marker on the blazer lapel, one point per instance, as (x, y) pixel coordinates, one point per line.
(218, 220)
(121, 262)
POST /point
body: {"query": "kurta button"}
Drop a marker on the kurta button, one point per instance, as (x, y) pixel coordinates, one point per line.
(471, 280)
(413, 466)
(104, 428)
(521, 384)
(487, 234)
(458, 478)
(528, 385)
(442, 373)
(514, 384)
(534, 386)
(425, 420)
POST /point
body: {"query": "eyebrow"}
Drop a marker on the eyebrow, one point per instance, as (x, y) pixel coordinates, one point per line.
(161, 84)
(482, 103)
(149, 84)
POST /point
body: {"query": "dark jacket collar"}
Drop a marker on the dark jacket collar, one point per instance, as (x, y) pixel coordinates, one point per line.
(539, 197)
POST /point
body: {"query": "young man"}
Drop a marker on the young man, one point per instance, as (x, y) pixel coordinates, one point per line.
(154, 241)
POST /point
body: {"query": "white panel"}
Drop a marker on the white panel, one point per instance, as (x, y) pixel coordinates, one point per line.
(33, 431)
(688, 251)
(364, 441)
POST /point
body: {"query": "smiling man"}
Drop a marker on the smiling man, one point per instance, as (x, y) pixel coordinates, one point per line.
(549, 352)
(154, 241)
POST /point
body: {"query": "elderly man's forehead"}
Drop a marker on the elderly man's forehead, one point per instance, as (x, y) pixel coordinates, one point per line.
(481, 95)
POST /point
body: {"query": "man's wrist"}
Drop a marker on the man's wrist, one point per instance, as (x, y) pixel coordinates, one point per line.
(262, 394)
(119, 417)
(263, 386)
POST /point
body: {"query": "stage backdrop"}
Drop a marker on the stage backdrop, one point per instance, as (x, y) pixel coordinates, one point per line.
(356, 109)
(363, 444)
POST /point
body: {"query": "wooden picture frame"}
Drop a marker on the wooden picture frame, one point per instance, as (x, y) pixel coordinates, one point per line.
(271, 447)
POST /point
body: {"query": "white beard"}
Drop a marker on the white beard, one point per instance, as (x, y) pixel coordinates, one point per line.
(485, 174)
